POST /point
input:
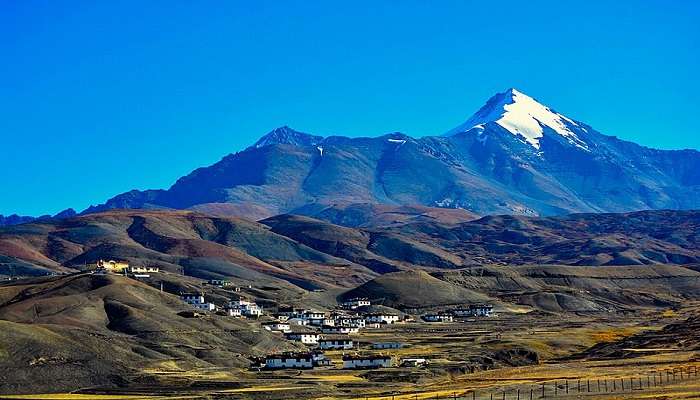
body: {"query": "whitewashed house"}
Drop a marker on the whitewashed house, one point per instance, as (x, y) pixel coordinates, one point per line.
(197, 301)
(355, 321)
(248, 308)
(314, 315)
(413, 362)
(381, 318)
(481, 310)
(340, 330)
(298, 321)
(387, 345)
(366, 361)
(321, 321)
(290, 360)
(143, 269)
(356, 303)
(441, 317)
(233, 312)
(474, 310)
(277, 326)
(335, 343)
(303, 337)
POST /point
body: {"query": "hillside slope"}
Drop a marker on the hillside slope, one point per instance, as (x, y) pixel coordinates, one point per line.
(86, 330)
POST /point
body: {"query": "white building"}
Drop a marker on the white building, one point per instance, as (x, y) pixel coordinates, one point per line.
(335, 343)
(340, 330)
(413, 362)
(298, 321)
(290, 360)
(222, 283)
(321, 321)
(481, 310)
(355, 303)
(368, 361)
(314, 315)
(381, 318)
(143, 270)
(192, 298)
(233, 312)
(277, 326)
(474, 310)
(442, 317)
(358, 322)
(197, 301)
(304, 337)
(248, 308)
(387, 345)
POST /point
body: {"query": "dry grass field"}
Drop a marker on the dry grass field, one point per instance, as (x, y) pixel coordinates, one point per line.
(473, 359)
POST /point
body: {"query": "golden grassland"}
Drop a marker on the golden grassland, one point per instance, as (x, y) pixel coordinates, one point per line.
(449, 346)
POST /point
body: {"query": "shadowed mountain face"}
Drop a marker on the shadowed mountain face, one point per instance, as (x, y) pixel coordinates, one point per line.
(514, 156)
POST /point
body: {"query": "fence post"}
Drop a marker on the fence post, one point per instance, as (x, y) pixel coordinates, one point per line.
(606, 385)
(518, 398)
(578, 386)
(556, 387)
(588, 384)
(614, 385)
(543, 396)
(598, 385)
(567, 386)
(622, 380)
(531, 390)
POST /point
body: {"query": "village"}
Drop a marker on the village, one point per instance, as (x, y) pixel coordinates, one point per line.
(338, 330)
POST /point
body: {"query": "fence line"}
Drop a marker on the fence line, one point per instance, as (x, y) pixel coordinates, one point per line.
(557, 388)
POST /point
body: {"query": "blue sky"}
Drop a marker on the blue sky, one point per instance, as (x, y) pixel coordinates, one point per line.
(97, 98)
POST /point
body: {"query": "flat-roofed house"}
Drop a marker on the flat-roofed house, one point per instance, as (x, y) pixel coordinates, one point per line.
(306, 337)
(356, 303)
(381, 318)
(334, 342)
(196, 300)
(366, 361)
(289, 360)
(340, 330)
(140, 269)
(387, 345)
(277, 326)
(440, 317)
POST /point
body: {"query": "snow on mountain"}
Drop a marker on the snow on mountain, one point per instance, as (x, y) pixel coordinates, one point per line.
(524, 117)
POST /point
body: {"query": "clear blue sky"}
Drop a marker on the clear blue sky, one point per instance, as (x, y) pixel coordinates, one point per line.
(99, 97)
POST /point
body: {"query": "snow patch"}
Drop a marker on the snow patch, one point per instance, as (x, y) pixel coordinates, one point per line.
(399, 141)
(320, 150)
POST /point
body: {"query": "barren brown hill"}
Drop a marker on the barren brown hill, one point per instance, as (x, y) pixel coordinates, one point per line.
(85, 330)
(308, 252)
(373, 215)
(177, 241)
(644, 237)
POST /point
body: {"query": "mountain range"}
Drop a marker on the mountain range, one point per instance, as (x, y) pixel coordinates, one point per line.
(513, 156)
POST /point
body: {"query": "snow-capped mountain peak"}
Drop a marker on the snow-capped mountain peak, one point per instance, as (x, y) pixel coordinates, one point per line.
(524, 117)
